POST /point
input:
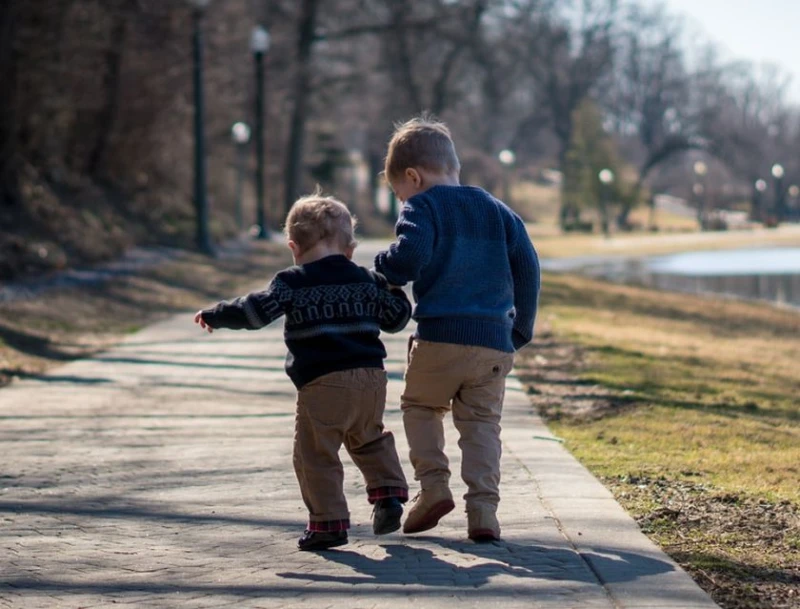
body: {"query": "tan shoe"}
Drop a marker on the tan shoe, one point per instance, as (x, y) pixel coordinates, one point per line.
(482, 525)
(430, 505)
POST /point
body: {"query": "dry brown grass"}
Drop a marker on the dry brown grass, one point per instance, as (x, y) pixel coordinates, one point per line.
(696, 423)
(66, 324)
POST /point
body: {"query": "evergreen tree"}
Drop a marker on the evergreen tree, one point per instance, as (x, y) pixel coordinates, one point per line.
(590, 150)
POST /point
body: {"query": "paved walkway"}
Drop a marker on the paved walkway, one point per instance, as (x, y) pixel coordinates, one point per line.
(159, 474)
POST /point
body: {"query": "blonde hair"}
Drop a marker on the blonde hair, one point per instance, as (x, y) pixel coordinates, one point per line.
(422, 142)
(316, 218)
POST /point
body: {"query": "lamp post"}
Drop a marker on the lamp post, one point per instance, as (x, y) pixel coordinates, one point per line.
(760, 187)
(259, 45)
(507, 159)
(777, 173)
(240, 133)
(606, 177)
(202, 236)
(794, 193)
(699, 189)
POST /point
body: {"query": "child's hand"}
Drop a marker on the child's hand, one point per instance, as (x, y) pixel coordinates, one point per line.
(198, 319)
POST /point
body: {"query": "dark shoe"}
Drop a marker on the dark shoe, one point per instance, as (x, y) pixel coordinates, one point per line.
(429, 507)
(311, 541)
(386, 515)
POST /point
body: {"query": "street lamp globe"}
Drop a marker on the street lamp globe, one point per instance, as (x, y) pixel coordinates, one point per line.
(700, 168)
(698, 189)
(606, 176)
(794, 191)
(777, 171)
(761, 185)
(240, 132)
(507, 157)
(259, 40)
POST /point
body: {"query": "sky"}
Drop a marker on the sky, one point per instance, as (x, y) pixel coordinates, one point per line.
(755, 30)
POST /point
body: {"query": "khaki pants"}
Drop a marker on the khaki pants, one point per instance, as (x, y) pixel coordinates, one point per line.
(343, 408)
(471, 382)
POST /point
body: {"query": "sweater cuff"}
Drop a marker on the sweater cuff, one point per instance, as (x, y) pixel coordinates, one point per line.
(210, 318)
(381, 267)
(519, 340)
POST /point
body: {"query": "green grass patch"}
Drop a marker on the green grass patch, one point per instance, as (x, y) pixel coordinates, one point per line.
(702, 445)
(715, 383)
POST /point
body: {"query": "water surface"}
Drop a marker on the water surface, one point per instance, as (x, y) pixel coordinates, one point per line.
(771, 274)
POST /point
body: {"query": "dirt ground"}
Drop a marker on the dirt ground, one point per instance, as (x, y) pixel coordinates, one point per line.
(744, 551)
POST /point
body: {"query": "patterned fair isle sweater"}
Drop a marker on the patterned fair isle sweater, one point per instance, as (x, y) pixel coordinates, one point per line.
(475, 272)
(334, 312)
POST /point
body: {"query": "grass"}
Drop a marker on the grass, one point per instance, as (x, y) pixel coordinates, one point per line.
(66, 324)
(716, 381)
(703, 447)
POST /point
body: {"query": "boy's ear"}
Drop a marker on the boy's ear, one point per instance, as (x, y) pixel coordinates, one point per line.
(413, 175)
(294, 247)
(349, 252)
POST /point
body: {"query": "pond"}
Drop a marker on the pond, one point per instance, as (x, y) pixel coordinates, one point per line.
(771, 274)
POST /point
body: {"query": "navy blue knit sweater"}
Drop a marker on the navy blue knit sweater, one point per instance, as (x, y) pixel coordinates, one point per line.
(475, 272)
(335, 311)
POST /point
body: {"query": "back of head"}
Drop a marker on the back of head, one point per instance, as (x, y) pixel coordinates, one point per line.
(422, 142)
(315, 218)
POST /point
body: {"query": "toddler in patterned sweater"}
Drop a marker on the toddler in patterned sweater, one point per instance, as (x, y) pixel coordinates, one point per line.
(335, 311)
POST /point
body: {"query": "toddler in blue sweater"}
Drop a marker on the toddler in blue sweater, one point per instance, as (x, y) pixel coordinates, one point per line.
(476, 284)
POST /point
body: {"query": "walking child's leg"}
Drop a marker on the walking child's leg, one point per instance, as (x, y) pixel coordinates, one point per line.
(373, 450)
(476, 413)
(319, 432)
(432, 379)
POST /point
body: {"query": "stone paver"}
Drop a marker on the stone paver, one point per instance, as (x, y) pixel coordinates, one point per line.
(159, 475)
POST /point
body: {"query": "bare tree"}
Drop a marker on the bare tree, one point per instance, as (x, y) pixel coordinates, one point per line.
(650, 94)
(753, 127)
(568, 63)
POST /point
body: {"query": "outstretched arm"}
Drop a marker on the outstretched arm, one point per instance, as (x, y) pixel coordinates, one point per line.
(250, 312)
(412, 250)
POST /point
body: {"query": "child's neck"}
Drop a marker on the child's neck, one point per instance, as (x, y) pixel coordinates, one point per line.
(440, 179)
(318, 252)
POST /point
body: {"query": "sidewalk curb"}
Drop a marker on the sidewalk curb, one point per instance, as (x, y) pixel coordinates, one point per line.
(588, 516)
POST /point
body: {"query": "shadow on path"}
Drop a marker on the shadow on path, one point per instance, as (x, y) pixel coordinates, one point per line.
(113, 508)
(408, 565)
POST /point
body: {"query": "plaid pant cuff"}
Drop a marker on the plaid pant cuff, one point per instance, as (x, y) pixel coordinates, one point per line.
(386, 492)
(329, 526)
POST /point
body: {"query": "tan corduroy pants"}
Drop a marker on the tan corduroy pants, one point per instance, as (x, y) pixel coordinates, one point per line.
(471, 382)
(342, 408)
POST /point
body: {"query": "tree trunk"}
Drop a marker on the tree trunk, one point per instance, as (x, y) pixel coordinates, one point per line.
(111, 89)
(8, 144)
(302, 91)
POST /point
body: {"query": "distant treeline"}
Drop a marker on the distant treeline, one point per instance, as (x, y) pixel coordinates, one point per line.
(96, 104)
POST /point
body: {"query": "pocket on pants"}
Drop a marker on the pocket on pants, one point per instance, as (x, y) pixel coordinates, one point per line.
(328, 405)
(495, 368)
